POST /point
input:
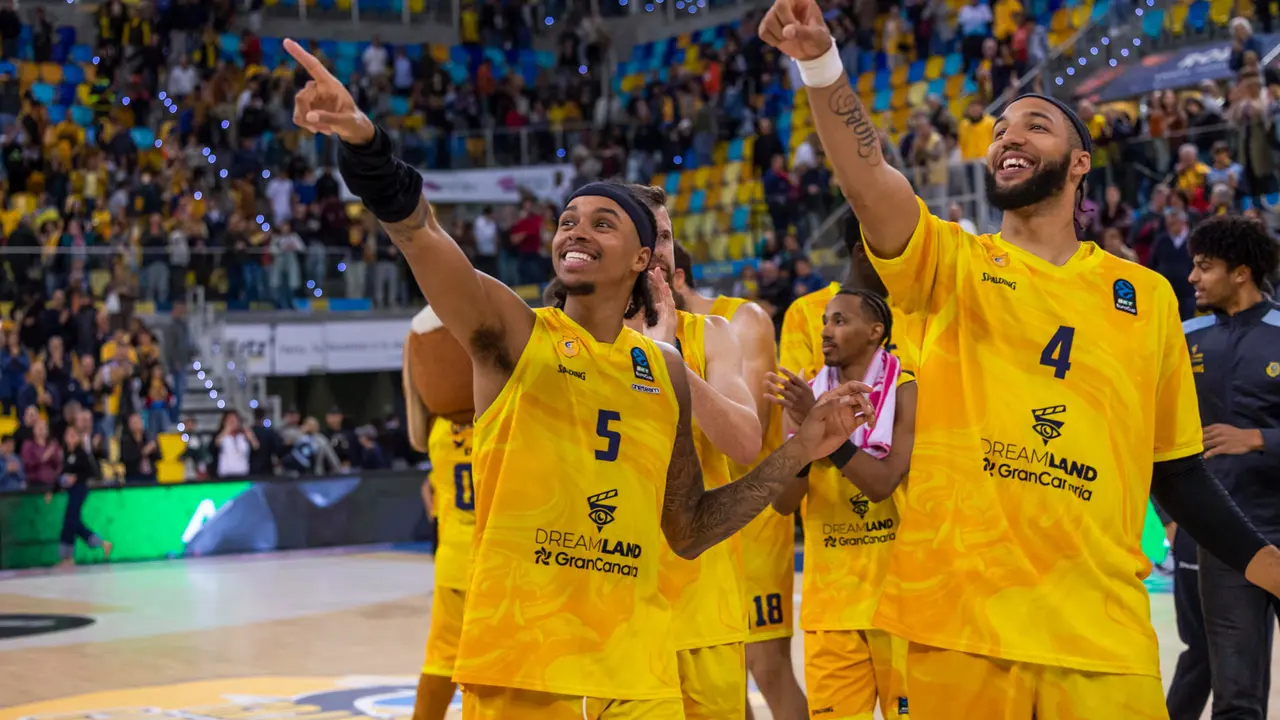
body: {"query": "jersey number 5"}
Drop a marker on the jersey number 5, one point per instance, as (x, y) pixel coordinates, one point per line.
(1057, 354)
(614, 438)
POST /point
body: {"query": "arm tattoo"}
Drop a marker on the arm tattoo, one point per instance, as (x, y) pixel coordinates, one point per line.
(845, 104)
(402, 233)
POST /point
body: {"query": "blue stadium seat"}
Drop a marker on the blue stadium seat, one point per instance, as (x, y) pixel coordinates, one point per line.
(345, 66)
(1100, 10)
(883, 79)
(698, 201)
(81, 54)
(735, 150)
(272, 51)
(915, 73)
(1198, 16)
(348, 49)
(43, 93)
(90, 135)
(229, 46)
(81, 115)
(66, 35)
(1153, 22)
(1271, 200)
(884, 98)
(399, 105)
(739, 219)
(143, 137)
(8, 68)
(57, 113)
(1246, 203)
(328, 47)
(953, 65)
(413, 52)
(970, 87)
(457, 73)
(66, 94)
(546, 59)
(459, 55)
(672, 184)
(938, 87)
(72, 73)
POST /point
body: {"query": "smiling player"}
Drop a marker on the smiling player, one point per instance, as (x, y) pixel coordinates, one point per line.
(1017, 573)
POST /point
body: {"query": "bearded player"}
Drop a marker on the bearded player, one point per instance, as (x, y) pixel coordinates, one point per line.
(584, 457)
(850, 517)
(1017, 573)
(768, 542)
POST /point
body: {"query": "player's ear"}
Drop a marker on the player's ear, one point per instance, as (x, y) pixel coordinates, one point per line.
(1081, 164)
(642, 260)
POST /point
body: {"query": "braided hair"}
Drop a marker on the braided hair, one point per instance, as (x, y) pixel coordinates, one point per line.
(876, 305)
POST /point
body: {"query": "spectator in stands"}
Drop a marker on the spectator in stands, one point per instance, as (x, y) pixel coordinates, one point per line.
(526, 241)
(264, 456)
(1243, 40)
(310, 452)
(1115, 212)
(233, 446)
(928, 159)
(341, 438)
(139, 452)
(1170, 258)
(286, 267)
(41, 457)
(38, 393)
(115, 376)
(10, 30)
(747, 285)
(386, 273)
(14, 364)
(1224, 170)
(372, 456)
(767, 146)
(1251, 113)
(805, 278)
(157, 399)
(974, 22)
(485, 233)
(11, 475)
(1113, 242)
(780, 194)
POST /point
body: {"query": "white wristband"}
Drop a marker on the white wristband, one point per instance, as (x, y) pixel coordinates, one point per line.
(822, 71)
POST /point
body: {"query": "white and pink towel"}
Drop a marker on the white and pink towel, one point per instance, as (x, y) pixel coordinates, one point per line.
(882, 376)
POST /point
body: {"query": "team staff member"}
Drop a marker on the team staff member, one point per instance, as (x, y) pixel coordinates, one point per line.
(584, 454)
(850, 518)
(708, 615)
(768, 542)
(1019, 497)
(1235, 358)
(451, 500)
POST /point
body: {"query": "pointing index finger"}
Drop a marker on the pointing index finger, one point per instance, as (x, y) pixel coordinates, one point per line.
(308, 61)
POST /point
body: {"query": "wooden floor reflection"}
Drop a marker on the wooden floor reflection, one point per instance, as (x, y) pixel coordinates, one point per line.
(342, 631)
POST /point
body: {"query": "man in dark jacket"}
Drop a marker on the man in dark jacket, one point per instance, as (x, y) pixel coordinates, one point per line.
(1235, 358)
(1170, 258)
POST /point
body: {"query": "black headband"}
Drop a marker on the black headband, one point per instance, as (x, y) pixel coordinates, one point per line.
(1086, 141)
(646, 227)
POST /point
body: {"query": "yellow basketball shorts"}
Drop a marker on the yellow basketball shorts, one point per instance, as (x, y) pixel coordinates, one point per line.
(769, 564)
(947, 684)
(847, 671)
(484, 702)
(446, 631)
(713, 681)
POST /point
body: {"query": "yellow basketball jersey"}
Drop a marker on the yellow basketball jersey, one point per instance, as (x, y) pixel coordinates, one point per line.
(570, 465)
(454, 498)
(848, 541)
(707, 594)
(1045, 394)
(768, 541)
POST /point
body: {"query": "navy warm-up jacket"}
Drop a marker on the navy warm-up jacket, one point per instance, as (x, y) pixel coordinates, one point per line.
(1236, 363)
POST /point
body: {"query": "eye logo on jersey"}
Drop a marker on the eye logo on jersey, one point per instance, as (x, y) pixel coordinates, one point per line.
(640, 365)
(600, 513)
(1045, 426)
(1273, 369)
(569, 347)
(1000, 260)
(1126, 296)
(860, 504)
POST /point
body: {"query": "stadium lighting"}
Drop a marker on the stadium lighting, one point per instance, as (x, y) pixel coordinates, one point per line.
(163, 95)
(1106, 40)
(1058, 79)
(231, 365)
(253, 404)
(222, 173)
(1071, 71)
(195, 365)
(185, 437)
(226, 124)
(266, 227)
(677, 160)
(1114, 62)
(213, 394)
(550, 20)
(221, 404)
(311, 284)
(173, 109)
(96, 59)
(1093, 51)
(124, 100)
(1124, 52)
(1137, 42)
(182, 427)
(318, 292)
(560, 152)
(206, 152)
(648, 7)
(260, 219)
(266, 174)
(159, 143)
(582, 69)
(199, 195)
(342, 267)
(1138, 12)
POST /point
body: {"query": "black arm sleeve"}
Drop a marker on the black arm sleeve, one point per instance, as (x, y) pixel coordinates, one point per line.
(1196, 501)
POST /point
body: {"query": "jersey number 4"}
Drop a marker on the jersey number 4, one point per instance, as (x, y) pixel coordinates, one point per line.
(464, 491)
(1057, 354)
(613, 437)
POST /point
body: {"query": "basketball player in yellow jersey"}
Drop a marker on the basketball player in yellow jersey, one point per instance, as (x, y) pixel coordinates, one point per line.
(851, 520)
(584, 457)
(709, 623)
(768, 542)
(1055, 392)
(453, 504)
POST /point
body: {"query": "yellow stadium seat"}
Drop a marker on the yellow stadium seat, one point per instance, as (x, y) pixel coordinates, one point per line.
(866, 82)
(440, 53)
(682, 202)
(901, 118)
(23, 202)
(1220, 11)
(90, 72)
(50, 73)
(899, 98)
(755, 191)
(8, 425)
(955, 85)
(678, 227)
(684, 40)
(740, 247)
(732, 174)
(417, 6)
(28, 73)
(715, 178)
(749, 146)
(170, 468)
(701, 178)
(660, 180)
(726, 195)
(899, 77)
(1061, 20)
(720, 155)
(1245, 9)
(933, 67)
(916, 93)
(82, 94)
(1080, 16)
(744, 193)
(1176, 19)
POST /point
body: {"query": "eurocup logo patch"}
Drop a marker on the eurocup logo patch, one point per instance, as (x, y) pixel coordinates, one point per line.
(1125, 296)
(601, 514)
(640, 365)
(569, 346)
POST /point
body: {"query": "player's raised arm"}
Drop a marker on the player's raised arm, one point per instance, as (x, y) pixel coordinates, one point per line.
(491, 321)
(737, 431)
(879, 194)
(694, 518)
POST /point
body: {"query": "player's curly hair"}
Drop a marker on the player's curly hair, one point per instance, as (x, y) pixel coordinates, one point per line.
(1237, 240)
(641, 298)
(878, 308)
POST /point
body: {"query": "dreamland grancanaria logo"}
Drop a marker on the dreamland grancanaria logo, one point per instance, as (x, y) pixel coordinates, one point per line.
(277, 698)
